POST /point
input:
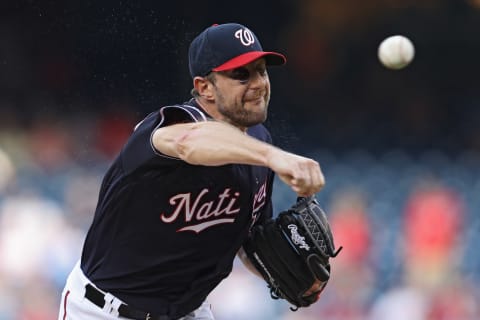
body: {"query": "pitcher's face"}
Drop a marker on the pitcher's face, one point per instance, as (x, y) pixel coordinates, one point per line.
(242, 94)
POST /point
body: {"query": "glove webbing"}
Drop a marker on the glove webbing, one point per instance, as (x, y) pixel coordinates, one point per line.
(316, 226)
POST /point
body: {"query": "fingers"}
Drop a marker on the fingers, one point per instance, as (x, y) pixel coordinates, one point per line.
(316, 288)
(302, 174)
(318, 177)
(308, 179)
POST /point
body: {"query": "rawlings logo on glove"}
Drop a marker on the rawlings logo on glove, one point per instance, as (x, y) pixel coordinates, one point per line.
(298, 239)
(292, 252)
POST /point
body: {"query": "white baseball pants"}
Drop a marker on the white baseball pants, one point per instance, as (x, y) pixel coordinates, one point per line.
(74, 305)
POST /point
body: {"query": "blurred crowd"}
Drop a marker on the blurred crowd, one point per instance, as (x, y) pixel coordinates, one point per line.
(400, 150)
(64, 61)
(409, 226)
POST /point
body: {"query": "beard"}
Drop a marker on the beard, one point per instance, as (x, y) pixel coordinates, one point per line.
(237, 113)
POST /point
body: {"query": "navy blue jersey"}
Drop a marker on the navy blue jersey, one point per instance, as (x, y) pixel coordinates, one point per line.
(165, 232)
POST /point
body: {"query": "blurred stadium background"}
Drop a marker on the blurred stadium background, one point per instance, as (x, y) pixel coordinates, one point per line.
(400, 149)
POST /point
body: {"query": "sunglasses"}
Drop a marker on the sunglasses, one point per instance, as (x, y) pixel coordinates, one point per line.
(243, 74)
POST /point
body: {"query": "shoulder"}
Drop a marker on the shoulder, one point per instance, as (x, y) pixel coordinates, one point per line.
(260, 132)
(180, 113)
(168, 115)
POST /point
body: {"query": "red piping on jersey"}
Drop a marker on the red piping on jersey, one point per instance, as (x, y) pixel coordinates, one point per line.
(65, 305)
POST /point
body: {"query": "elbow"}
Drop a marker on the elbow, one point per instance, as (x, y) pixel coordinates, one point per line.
(199, 145)
(186, 146)
(184, 142)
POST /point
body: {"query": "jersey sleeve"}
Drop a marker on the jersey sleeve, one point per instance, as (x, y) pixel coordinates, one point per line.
(139, 150)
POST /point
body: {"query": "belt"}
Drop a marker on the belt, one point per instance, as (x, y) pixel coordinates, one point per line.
(98, 298)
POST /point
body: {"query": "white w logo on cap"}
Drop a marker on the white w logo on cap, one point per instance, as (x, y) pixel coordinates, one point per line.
(246, 36)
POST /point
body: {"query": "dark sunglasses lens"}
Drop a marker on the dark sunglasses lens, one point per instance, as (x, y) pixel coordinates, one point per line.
(241, 74)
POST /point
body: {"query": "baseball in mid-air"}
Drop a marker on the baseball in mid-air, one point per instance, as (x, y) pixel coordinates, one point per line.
(396, 52)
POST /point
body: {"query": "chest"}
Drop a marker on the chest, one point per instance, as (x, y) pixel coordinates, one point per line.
(197, 199)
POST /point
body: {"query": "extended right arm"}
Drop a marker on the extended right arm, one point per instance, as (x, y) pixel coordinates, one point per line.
(213, 143)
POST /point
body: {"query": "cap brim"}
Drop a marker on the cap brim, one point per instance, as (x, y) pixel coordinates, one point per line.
(272, 59)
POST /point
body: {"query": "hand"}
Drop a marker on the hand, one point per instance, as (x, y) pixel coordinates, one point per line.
(316, 287)
(302, 174)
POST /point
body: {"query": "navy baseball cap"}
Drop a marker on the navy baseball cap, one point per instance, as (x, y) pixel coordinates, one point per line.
(227, 46)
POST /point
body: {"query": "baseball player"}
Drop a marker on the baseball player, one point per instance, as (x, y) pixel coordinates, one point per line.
(177, 203)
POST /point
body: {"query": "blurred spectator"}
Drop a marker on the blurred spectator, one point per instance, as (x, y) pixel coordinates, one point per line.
(351, 226)
(456, 300)
(433, 223)
(400, 304)
(243, 296)
(73, 77)
(30, 227)
(38, 301)
(37, 250)
(432, 287)
(80, 194)
(352, 275)
(112, 131)
(350, 288)
(7, 170)
(50, 145)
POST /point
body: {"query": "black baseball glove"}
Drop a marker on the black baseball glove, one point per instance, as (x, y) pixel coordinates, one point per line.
(292, 252)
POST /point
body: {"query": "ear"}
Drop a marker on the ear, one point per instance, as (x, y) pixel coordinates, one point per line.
(204, 88)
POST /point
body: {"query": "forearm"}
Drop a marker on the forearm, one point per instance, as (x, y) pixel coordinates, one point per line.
(211, 144)
(215, 143)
